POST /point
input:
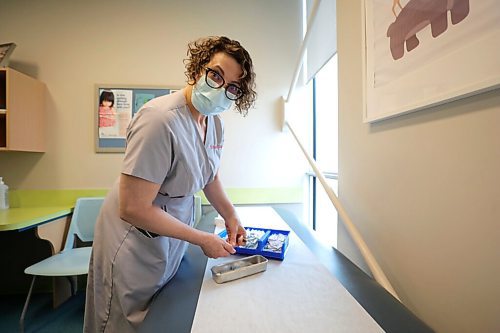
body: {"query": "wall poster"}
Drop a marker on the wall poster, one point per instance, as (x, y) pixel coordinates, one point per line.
(116, 105)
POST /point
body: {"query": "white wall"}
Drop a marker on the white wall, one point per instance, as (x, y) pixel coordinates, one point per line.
(424, 190)
(72, 45)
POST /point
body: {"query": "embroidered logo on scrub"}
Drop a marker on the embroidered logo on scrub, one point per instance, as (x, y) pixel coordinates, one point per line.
(215, 146)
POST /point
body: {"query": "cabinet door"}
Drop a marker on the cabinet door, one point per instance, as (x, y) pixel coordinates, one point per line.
(22, 120)
(3, 109)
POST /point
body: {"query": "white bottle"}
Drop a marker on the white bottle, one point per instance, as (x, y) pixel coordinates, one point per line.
(4, 195)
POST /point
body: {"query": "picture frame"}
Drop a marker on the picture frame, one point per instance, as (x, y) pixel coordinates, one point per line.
(5, 53)
(115, 106)
(458, 62)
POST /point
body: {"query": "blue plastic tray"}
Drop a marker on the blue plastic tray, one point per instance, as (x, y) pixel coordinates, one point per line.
(262, 242)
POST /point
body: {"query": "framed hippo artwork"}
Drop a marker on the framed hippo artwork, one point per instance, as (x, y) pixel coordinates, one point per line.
(422, 53)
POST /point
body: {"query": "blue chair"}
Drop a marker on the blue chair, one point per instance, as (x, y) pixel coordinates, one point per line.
(70, 261)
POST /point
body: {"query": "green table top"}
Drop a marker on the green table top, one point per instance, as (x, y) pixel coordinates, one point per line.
(27, 217)
(30, 208)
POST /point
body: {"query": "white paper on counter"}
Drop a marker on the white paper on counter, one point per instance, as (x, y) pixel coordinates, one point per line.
(297, 294)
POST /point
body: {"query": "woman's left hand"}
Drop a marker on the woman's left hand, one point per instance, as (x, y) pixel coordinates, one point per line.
(236, 234)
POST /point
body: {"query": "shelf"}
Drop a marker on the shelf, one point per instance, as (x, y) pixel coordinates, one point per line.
(3, 130)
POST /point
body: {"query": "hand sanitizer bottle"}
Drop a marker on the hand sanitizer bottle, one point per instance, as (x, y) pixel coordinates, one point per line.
(4, 195)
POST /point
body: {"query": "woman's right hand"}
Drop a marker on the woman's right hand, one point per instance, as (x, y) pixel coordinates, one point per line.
(214, 247)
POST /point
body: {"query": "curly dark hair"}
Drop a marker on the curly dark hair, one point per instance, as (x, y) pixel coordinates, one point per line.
(200, 53)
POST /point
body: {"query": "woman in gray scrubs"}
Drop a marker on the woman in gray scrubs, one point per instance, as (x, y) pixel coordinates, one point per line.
(174, 144)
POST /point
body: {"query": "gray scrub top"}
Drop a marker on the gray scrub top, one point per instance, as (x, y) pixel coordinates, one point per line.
(127, 268)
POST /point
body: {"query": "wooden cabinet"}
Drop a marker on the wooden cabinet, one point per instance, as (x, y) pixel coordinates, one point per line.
(22, 112)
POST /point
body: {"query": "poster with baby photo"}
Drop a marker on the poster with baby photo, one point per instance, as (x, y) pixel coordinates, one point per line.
(116, 106)
(115, 112)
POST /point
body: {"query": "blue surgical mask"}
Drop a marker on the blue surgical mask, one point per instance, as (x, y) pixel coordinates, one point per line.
(209, 101)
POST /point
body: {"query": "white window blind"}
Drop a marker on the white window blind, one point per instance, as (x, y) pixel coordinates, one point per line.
(323, 40)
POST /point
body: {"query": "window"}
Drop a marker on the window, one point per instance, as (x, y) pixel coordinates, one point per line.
(321, 124)
(325, 150)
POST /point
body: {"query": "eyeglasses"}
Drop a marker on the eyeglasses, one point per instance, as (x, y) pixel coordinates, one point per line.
(216, 81)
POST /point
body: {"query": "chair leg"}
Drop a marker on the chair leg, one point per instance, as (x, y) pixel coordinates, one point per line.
(25, 308)
(72, 282)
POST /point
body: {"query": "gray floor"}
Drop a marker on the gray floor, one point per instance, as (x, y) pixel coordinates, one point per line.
(41, 317)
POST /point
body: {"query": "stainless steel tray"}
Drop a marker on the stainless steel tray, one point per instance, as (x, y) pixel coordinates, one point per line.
(239, 268)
